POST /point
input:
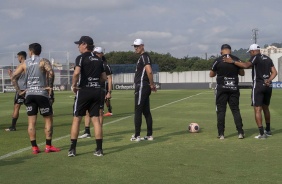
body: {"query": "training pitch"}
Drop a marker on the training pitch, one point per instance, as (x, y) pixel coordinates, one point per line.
(174, 156)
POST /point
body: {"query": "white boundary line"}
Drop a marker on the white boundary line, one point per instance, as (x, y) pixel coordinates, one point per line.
(59, 138)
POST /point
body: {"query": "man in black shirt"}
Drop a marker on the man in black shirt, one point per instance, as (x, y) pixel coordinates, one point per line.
(88, 74)
(105, 94)
(144, 84)
(227, 91)
(263, 72)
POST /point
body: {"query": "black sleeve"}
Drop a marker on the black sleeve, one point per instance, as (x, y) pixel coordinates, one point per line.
(214, 65)
(78, 61)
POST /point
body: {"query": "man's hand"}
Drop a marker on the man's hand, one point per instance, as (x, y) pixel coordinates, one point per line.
(228, 59)
(74, 89)
(108, 96)
(22, 93)
(10, 72)
(267, 82)
(153, 87)
(49, 90)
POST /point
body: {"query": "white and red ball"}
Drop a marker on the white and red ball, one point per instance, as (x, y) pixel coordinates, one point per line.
(194, 128)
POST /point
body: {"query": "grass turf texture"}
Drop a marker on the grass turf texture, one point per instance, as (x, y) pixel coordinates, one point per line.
(175, 155)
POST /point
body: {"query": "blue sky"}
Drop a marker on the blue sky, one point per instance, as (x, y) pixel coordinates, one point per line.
(178, 27)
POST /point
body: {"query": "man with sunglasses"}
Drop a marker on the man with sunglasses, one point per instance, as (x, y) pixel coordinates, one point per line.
(144, 84)
(88, 74)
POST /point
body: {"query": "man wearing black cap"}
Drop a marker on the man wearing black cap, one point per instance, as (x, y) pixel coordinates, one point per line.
(88, 74)
(227, 90)
(263, 72)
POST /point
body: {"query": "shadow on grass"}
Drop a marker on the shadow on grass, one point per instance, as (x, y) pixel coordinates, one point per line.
(131, 145)
(14, 161)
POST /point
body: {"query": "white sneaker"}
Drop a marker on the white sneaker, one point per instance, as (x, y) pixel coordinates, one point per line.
(268, 133)
(264, 136)
(221, 137)
(147, 138)
(133, 138)
(241, 136)
(85, 135)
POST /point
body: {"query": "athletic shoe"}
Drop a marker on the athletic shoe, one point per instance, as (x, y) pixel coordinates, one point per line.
(220, 137)
(99, 153)
(147, 138)
(35, 150)
(10, 129)
(268, 133)
(264, 136)
(133, 138)
(49, 149)
(241, 136)
(85, 135)
(108, 114)
(71, 153)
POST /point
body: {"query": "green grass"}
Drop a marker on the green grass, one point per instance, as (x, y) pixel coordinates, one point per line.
(175, 156)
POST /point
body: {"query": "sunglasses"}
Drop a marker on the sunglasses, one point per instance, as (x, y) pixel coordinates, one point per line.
(136, 46)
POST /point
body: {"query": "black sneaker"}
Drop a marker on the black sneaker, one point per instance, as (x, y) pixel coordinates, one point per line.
(10, 129)
(99, 153)
(71, 153)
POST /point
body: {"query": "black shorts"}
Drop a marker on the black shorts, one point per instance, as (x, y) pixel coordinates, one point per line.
(35, 102)
(261, 95)
(19, 99)
(103, 95)
(87, 99)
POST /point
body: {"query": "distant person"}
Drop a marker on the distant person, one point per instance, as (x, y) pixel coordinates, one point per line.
(227, 91)
(263, 72)
(39, 80)
(144, 84)
(105, 93)
(88, 74)
(19, 99)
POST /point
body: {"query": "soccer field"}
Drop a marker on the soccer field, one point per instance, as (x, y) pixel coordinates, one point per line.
(175, 155)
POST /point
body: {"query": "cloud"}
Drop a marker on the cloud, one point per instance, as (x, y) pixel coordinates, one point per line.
(150, 35)
(13, 13)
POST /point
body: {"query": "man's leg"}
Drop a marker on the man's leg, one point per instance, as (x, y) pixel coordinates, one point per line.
(48, 134)
(266, 113)
(98, 131)
(74, 135)
(87, 121)
(32, 133)
(221, 101)
(234, 107)
(258, 118)
(148, 115)
(138, 113)
(15, 117)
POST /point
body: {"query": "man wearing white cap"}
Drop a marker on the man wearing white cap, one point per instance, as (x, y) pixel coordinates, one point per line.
(263, 72)
(144, 84)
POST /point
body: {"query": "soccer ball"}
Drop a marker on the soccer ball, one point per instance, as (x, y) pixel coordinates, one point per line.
(194, 128)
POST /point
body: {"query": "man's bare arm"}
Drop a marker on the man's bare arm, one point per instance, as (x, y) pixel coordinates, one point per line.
(50, 72)
(15, 77)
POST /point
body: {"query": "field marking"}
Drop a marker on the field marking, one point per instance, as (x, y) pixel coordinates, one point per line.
(111, 122)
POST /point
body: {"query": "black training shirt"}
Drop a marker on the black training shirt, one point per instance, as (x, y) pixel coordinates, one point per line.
(91, 70)
(261, 67)
(227, 74)
(141, 76)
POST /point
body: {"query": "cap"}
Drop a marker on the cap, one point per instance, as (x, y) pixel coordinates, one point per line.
(254, 47)
(85, 39)
(138, 42)
(225, 46)
(99, 50)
